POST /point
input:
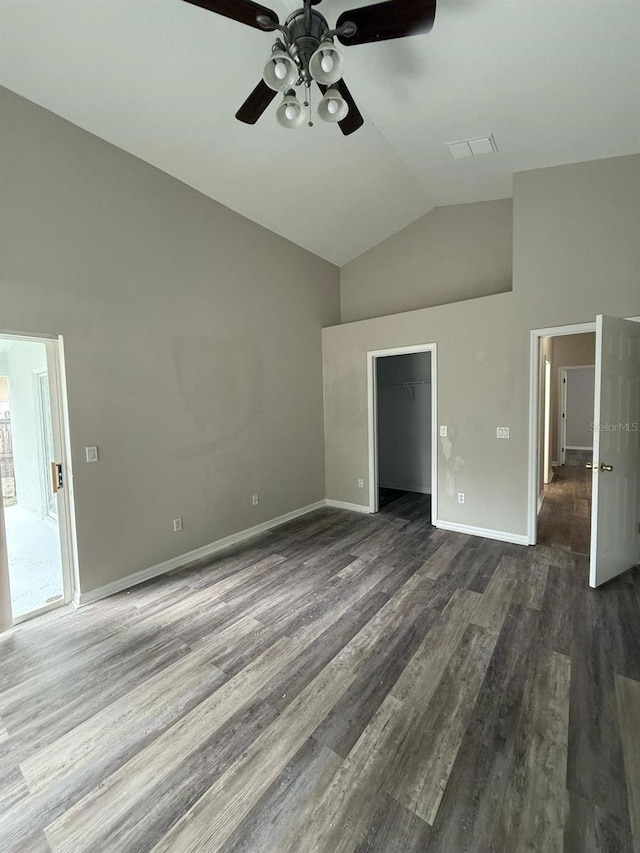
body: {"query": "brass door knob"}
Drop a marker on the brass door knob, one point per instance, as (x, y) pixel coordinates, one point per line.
(604, 467)
(589, 465)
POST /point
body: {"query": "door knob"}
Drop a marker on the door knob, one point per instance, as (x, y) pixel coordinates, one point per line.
(589, 465)
(604, 467)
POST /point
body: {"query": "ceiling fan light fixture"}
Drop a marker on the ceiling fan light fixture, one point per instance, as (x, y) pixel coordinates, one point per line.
(326, 66)
(290, 113)
(280, 71)
(333, 106)
(305, 52)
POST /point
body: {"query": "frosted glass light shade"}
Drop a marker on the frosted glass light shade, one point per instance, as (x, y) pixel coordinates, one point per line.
(327, 64)
(290, 113)
(280, 71)
(333, 106)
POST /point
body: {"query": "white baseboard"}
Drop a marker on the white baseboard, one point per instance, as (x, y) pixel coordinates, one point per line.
(82, 598)
(345, 505)
(421, 490)
(577, 447)
(500, 535)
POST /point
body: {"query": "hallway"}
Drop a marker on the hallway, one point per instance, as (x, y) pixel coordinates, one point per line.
(565, 516)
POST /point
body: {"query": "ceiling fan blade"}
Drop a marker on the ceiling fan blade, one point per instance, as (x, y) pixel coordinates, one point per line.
(393, 19)
(256, 103)
(243, 11)
(354, 120)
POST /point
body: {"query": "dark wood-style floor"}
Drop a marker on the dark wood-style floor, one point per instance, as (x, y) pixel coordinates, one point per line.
(344, 683)
(565, 516)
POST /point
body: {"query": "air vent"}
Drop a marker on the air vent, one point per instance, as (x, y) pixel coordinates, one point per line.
(471, 147)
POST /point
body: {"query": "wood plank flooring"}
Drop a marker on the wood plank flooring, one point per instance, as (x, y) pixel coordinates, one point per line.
(565, 516)
(364, 684)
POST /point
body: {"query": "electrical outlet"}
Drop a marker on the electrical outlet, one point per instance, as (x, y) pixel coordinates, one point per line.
(255, 500)
(502, 432)
(361, 483)
(443, 432)
(460, 497)
(177, 525)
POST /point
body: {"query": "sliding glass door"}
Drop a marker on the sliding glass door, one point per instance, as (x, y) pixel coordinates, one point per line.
(32, 477)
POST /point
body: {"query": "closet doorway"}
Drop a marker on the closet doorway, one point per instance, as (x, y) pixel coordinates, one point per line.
(402, 421)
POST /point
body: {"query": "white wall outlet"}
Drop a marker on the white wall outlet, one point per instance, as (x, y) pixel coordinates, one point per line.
(502, 432)
(177, 525)
(460, 497)
(361, 483)
(443, 432)
(91, 453)
(255, 500)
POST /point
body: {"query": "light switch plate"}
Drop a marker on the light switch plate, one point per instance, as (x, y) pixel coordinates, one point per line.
(91, 453)
(443, 432)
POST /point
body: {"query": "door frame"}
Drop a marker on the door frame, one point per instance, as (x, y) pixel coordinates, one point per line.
(535, 336)
(45, 476)
(547, 472)
(372, 432)
(66, 508)
(534, 388)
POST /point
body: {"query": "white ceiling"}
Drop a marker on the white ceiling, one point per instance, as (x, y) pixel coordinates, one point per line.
(555, 81)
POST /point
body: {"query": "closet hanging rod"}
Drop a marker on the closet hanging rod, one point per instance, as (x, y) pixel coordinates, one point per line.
(404, 384)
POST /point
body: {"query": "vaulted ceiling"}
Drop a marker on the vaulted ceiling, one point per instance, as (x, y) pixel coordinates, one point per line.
(555, 81)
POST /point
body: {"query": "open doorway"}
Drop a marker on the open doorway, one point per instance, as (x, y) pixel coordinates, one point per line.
(612, 484)
(566, 441)
(35, 542)
(402, 463)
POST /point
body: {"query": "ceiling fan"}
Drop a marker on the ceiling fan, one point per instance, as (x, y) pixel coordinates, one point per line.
(305, 52)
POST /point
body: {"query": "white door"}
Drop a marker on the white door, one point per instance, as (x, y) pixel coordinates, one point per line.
(615, 540)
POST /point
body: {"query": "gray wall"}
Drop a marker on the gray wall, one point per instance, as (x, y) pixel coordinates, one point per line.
(192, 341)
(568, 351)
(452, 253)
(576, 254)
(404, 422)
(580, 389)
